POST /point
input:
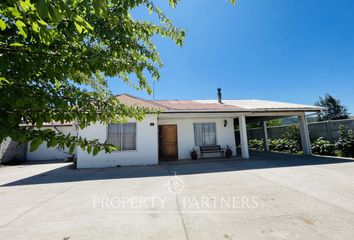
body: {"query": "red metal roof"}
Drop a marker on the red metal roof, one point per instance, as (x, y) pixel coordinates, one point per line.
(193, 105)
(214, 106)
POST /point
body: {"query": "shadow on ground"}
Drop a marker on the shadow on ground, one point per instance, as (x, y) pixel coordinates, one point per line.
(258, 160)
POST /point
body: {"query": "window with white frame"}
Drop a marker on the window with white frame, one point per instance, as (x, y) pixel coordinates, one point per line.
(122, 135)
(204, 134)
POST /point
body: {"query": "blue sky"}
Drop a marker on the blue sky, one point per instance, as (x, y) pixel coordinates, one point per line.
(282, 50)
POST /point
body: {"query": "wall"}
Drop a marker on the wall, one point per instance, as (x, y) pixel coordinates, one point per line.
(145, 154)
(185, 133)
(327, 130)
(43, 153)
(11, 152)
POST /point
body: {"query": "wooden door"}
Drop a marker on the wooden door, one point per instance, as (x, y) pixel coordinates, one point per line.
(169, 150)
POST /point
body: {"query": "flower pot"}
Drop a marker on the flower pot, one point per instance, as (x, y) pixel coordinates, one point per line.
(194, 155)
(228, 153)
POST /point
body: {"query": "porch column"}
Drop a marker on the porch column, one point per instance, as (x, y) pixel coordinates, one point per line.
(243, 136)
(304, 132)
(265, 136)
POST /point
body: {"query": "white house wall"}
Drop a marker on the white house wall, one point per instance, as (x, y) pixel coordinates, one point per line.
(185, 133)
(56, 153)
(146, 152)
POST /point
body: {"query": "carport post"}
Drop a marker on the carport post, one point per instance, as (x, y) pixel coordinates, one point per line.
(304, 132)
(265, 136)
(243, 137)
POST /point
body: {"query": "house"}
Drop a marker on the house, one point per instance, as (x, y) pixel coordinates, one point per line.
(183, 125)
(43, 153)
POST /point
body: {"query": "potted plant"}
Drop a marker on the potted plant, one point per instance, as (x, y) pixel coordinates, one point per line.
(194, 154)
(228, 152)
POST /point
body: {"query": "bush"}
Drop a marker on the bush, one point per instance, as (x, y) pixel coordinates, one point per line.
(256, 144)
(284, 145)
(293, 134)
(323, 147)
(345, 143)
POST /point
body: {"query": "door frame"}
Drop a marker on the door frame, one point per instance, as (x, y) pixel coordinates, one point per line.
(160, 142)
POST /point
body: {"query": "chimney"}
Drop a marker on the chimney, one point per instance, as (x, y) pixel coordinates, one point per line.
(219, 95)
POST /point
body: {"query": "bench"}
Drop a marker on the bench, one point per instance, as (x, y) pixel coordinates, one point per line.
(211, 149)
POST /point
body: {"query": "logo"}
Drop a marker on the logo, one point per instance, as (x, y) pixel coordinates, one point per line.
(175, 184)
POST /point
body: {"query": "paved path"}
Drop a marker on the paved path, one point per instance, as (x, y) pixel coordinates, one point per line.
(268, 197)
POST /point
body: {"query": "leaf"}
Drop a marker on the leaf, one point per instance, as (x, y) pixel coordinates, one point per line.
(88, 26)
(35, 27)
(16, 44)
(53, 13)
(14, 12)
(21, 27)
(35, 144)
(95, 151)
(78, 27)
(2, 25)
(89, 148)
(42, 9)
(72, 148)
(172, 3)
(25, 6)
(52, 142)
(41, 22)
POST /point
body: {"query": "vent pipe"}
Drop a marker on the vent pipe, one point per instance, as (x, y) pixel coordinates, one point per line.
(219, 95)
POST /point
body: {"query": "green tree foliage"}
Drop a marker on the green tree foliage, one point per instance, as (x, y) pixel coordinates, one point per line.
(293, 135)
(55, 55)
(274, 123)
(334, 109)
(270, 123)
(345, 143)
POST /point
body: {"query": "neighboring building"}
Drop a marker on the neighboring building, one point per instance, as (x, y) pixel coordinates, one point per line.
(43, 153)
(183, 125)
(11, 152)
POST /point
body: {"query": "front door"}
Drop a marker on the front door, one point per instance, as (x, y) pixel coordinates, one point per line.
(168, 142)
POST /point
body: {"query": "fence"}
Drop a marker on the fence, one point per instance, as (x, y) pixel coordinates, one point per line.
(327, 130)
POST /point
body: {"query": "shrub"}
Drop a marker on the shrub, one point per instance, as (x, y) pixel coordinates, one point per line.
(256, 144)
(345, 143)
(323, 147)
(284, 145)
(278, 144)
(293, 134)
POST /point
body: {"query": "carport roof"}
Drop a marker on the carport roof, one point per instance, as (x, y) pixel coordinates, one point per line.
(252, 105)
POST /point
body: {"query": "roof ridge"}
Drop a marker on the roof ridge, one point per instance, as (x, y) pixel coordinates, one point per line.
(141, 99)
(162, 105)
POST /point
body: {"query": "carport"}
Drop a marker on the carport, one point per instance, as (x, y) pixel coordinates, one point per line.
(263, 111)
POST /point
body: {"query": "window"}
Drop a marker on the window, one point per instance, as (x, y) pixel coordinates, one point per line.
(122, 135)
(204, 134)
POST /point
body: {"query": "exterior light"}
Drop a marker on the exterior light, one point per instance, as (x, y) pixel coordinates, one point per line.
(225, 123)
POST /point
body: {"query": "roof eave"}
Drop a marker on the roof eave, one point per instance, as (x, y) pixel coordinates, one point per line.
(243, 111)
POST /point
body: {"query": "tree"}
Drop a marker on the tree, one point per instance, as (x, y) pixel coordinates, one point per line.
(55, 55)
(334, 109)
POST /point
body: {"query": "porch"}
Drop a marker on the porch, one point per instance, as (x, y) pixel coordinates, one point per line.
(177, 133)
